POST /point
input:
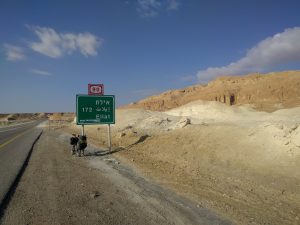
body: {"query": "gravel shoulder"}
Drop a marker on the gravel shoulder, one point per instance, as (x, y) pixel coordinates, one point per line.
(236, 161)
(58, 188)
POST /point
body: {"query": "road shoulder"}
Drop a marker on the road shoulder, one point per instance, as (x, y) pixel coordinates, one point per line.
(58, 188)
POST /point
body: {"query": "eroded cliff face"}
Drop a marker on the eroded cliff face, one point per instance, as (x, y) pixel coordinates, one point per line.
(266, 92)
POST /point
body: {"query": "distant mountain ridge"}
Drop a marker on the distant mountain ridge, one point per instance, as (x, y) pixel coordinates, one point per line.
(265, 92)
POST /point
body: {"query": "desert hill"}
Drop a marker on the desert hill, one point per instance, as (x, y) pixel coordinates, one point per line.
(265, 92)
(22, 116)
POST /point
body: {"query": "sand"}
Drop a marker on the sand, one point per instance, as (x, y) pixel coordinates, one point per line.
(239, 162)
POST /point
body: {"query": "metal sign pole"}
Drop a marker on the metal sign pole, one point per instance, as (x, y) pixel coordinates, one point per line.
(82, 131)
(109, 137)
(99, 133)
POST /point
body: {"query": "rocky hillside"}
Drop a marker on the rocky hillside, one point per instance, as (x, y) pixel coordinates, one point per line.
(265, 92)
(22, 116)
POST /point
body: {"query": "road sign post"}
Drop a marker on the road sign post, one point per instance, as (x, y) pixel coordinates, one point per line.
(109, 137)
(92, 109)
(82, 131)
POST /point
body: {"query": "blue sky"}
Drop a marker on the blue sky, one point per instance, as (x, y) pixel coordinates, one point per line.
(51, 50)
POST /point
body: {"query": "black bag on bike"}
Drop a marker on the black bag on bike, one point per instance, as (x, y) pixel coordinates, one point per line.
(73, 140)
(82, 143)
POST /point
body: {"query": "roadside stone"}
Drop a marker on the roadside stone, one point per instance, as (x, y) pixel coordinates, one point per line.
(296, 137)
(95, 194)
(122, 134)
(128, 127)
(183, 122)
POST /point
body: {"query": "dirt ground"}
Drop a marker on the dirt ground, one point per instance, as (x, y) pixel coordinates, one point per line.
(246, 170)
(58, 188)
(250, 192)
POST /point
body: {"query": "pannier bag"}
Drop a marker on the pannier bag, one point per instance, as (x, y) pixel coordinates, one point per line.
(82, 142)
(73, 140)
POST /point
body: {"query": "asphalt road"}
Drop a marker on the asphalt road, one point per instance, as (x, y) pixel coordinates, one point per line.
(60, 188)
(15, 144)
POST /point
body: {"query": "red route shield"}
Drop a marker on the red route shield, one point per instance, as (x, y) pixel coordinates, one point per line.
(96, 89)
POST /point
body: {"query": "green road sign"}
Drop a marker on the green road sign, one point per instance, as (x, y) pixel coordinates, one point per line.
(95, 109)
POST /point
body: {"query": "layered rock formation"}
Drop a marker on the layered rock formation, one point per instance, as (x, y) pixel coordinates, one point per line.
(266, 92)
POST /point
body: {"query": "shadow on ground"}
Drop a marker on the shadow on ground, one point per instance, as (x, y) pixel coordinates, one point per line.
(104, 152)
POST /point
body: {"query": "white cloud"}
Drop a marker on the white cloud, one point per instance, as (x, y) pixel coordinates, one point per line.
(14, 53)
(50, 42)
(148, 8)
(55, 45)
(87, 43)
(151, 8)
(276, 50)
(41, 72)
(172, 4)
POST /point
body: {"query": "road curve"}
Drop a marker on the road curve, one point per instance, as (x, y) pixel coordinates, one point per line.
(15, 145)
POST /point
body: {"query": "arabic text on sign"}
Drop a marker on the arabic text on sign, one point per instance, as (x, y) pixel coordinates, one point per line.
(103, 109)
